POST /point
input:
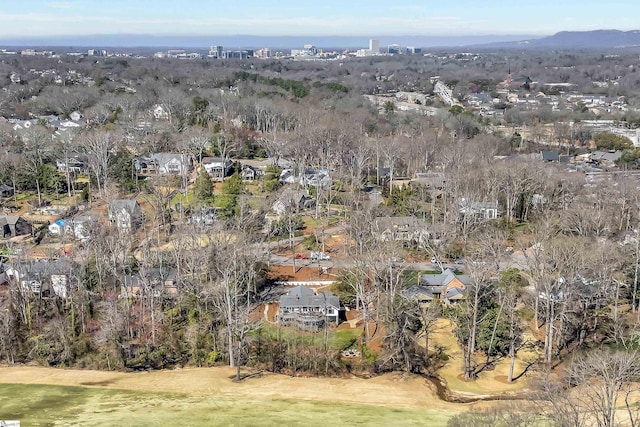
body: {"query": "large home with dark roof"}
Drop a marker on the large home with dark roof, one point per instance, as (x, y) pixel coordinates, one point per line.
(160, 280)
(303, 308)
(164, 164)
(446, 286)
(45, 276)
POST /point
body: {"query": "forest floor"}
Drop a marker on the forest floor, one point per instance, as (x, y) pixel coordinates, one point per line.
(209, 396)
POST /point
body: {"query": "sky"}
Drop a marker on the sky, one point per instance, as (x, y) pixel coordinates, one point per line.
(37, 18)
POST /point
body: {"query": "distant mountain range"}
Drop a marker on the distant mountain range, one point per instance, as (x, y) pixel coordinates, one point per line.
(596, 39)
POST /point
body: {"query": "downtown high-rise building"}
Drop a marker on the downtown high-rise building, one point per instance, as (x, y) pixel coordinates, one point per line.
(374, 46)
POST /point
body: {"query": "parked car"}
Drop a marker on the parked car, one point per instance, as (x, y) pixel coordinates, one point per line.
(320, 255)
(460, 262)
(302, 256)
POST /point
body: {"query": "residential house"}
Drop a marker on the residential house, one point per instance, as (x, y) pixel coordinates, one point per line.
(6, 191)
(75, 163)
(605, 158)
(249, 173)
(550, 156)
(44, 276)
(430, 180)
(158, 280)
(145, 166)
(164, 164)
(80, 227)
(57, 228)
(217, 167)
(292, 201)
(287, 177)
(480, 210)
(447, 286)
(313, 177)
(206, 216)
(126, 214)
(76, 228)
(409, 230)
(302, 307)
(12, 226)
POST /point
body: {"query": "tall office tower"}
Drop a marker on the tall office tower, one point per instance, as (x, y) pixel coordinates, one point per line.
(374, 46)
(216, 52)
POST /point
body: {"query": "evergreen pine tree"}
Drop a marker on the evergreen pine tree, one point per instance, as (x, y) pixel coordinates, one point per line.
(203, 188)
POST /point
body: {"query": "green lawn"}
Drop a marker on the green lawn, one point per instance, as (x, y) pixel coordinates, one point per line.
(44, 405)
(317, 222)
(337, 340)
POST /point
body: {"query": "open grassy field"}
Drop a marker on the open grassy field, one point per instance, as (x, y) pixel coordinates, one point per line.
(37, 405)
(194, 397)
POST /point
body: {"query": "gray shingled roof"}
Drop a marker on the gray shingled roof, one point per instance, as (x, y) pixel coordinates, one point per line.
(421, 292)
(126, 204)
(606, 156)
(9, 219)
(152, 275)
(305, 297)
(443, 279)
(45, 267)
(550, 156)
(404, 222)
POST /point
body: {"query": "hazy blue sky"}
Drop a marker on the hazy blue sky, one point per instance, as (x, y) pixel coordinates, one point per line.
(314, 17)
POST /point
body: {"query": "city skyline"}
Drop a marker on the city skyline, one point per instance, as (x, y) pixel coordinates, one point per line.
(42, 18)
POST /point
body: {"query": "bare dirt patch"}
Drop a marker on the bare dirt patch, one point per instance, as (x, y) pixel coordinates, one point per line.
(300, 274)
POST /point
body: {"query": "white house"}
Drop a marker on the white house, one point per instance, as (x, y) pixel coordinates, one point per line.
(126, 214)
(81, 227)
(57, 228)
(217, 167)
